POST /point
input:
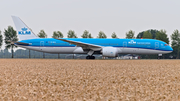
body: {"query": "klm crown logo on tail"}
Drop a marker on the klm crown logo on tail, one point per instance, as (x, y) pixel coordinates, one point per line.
(24, 32)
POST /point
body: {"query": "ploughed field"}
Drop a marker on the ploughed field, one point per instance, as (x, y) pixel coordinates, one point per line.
(89, 80)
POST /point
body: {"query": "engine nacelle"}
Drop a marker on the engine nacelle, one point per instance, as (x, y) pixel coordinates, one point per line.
(110, 52)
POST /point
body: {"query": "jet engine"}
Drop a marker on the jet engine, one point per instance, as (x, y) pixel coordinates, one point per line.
(110, 52)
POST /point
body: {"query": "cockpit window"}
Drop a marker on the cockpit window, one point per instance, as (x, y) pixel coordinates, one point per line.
(166, 44)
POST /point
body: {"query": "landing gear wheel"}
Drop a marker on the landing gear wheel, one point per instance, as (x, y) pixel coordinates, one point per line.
(87, 57)
(90, 57)
(93, 57)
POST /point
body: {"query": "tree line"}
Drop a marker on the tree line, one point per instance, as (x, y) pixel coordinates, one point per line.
(11, 35)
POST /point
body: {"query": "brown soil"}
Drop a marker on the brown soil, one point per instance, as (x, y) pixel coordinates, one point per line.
(89, 80)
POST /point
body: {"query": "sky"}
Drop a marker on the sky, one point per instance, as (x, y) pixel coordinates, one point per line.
(109, 16)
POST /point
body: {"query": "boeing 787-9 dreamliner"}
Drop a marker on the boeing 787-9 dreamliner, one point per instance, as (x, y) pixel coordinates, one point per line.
(106, 47)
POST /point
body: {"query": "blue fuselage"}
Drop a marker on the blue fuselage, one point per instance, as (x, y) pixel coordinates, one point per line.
(136, 46)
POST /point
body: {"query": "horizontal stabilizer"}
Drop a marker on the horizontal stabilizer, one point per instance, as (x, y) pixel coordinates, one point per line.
(21, 43)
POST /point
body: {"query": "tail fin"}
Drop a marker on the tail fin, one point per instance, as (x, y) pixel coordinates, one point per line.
(22, 29)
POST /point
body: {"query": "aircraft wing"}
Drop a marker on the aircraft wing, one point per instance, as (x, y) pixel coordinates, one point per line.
(83, 45)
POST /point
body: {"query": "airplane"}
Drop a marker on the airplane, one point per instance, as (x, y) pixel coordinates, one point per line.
(90, 46)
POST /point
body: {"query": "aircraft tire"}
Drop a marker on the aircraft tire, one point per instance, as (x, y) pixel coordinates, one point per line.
(87, 57)
(90, 57)
(93, 57)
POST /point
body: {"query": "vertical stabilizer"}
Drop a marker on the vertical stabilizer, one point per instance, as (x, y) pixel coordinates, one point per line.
(22, 29)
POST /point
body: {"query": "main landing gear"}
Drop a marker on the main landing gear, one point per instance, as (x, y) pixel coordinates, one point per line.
(90, 57)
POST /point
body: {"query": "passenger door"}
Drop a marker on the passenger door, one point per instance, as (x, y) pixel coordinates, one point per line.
(41, 45)
(156, 45)
(124, 44)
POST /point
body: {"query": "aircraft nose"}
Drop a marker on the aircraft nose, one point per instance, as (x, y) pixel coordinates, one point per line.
(170, 49)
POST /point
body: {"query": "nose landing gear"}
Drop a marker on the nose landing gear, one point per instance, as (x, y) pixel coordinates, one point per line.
(159, 56)
(90, 57)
